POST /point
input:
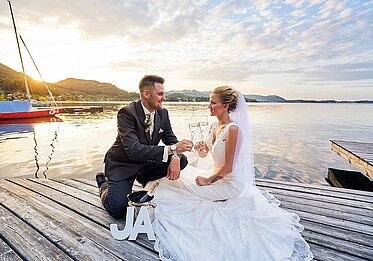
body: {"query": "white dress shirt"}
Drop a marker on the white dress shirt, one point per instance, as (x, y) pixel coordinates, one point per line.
(146, 111)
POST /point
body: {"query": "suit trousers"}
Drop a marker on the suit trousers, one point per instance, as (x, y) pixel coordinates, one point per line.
(113, 194)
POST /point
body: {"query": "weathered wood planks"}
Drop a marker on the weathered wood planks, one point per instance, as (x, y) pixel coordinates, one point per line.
(64, 218)
(76, 235)
(6, 253)
(359, 154)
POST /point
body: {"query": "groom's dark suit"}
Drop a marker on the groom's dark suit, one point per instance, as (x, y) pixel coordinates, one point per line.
(135, 155)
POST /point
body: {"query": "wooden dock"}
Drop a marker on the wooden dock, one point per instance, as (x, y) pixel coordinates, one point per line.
(358, 154)
(63, 219)
(81, 109)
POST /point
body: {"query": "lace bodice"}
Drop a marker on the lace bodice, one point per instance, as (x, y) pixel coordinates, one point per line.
(217, 148)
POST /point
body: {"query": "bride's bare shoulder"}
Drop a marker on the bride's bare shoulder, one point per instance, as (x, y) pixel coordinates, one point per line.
(233, 130)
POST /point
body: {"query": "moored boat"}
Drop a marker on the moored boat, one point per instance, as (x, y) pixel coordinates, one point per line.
(18, 109)
(23, 109)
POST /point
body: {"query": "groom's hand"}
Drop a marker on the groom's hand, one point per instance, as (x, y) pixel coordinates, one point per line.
(183, 146)
(173, 171)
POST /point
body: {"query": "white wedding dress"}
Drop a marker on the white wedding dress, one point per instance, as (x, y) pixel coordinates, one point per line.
(224, 220)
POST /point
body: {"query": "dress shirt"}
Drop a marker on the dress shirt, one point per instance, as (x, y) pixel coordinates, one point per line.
(146, 111)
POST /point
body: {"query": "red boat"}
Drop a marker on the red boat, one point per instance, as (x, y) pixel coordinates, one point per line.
(23, 109)
(30, 120)
(35, 113)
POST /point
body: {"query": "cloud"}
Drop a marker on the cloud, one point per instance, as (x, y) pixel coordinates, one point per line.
(235, 41)
(135, 20)
(340, 72)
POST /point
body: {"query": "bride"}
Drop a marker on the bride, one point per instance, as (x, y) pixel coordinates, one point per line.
(220, 214)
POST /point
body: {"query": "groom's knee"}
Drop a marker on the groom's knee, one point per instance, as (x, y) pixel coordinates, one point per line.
(117, 209)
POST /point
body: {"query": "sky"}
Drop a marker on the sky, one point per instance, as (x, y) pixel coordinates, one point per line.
(297, 49)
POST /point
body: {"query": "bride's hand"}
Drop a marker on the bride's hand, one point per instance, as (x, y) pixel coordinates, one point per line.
(202, 181)
(200, 146)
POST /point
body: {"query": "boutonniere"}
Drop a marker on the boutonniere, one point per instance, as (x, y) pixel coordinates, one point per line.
(147, 123)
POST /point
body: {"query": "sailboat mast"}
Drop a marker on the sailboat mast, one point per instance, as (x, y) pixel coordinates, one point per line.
(45, 84)
(19, 51)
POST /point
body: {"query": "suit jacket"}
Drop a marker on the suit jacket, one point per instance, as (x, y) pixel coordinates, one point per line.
(133, 147)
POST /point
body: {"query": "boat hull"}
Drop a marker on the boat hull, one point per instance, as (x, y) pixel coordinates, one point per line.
(29, 114)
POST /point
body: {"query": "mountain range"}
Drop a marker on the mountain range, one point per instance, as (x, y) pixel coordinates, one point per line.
(12, 87)
(12, 84)
(205, 95)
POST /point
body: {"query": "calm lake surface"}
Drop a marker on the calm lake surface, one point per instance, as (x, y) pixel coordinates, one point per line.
(291, 141)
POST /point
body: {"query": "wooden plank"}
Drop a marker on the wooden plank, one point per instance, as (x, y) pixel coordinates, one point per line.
(356, 153)
(324, 226)
(315, 199)
(6, 253)
(80, 237)
(80, 194)
(326, 254)
(87, 185)
(311, 199)
(316, 226)
(79, 185)
(75, 200)
(28, 242)
(330, 221)
(93, 183)
(368, 198)
(339, 245)
(360, 220)
(316, 187)
(337, 232)
(69, 201)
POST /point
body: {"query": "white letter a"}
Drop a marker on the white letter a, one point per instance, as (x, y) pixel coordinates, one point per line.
(147, 228)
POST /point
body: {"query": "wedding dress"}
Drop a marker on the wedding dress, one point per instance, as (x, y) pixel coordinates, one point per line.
(230, 219)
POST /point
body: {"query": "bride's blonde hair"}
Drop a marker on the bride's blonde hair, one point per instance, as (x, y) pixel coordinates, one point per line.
(227, 95)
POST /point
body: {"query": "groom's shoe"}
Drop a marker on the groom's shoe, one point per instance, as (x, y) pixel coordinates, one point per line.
(101, 180)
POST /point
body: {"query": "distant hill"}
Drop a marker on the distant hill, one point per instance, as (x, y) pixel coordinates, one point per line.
(190, 93)
(268, 98)
(94, 90)
(187, 95)
(11, 82)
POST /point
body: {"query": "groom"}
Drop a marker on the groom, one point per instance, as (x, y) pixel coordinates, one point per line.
(135, 154)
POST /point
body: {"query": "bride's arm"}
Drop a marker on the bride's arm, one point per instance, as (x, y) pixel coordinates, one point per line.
(227, 167)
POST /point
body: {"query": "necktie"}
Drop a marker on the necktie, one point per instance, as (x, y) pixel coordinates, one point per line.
(149, 123)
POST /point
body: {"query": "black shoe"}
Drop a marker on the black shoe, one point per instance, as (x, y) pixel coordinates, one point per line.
(100, 179)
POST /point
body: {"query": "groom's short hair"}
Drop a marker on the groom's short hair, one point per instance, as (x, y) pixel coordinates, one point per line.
(148, 81)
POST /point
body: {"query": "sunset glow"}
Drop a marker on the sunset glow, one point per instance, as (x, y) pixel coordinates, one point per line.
(310, 49)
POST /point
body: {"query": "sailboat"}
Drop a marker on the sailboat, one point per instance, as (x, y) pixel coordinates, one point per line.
(23, 109)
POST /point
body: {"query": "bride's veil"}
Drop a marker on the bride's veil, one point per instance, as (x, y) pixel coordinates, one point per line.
(243, 159)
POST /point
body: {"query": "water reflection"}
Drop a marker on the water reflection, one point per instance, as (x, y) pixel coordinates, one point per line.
(291, 141)
(22, 128)
(52, 150)
(36, 155)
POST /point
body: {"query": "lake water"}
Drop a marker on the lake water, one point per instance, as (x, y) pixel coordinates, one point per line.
(291, 141)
